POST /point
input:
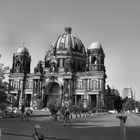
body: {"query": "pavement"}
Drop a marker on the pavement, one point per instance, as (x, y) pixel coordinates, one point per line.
(96, 127)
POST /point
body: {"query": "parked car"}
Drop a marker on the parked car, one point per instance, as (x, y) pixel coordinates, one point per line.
(112, 111)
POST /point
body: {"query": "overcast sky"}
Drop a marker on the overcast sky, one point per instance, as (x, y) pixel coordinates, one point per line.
(38, 23)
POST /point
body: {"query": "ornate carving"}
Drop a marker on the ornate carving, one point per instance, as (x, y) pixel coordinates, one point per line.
(53, 63)
(38, 68)
(21, 63)
(53, 78)
(68, 65)
(49, 53)
(86, 67)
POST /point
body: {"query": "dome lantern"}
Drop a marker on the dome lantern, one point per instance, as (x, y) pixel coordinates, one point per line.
(68, 30)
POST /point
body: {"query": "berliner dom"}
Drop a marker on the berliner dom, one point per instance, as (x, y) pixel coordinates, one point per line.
(70, 72)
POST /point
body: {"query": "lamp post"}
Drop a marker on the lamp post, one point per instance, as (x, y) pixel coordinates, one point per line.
(122, 126)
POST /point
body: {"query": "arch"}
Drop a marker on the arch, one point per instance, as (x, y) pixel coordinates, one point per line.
(52, 90)
(93, 60)
(53, 80)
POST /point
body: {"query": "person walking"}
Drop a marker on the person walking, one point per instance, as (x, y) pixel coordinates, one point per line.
(66, 117)
(28, 113)
(22, 112)
(38, 135)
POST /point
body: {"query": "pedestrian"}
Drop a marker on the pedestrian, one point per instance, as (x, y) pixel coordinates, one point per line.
(28, 113)
(38, 135)
(66, 117)
(22, 112)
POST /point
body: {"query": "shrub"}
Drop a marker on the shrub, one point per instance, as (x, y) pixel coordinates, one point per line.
(95, 109)
(54, 105)
(62, 109)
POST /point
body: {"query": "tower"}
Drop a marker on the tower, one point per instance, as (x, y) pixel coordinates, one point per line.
(96, 70)
(21, 61)
(18, 75)
(96, 57)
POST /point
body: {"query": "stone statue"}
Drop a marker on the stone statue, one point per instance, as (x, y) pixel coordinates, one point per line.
(53, 64)
(68, 65)
(38, 68)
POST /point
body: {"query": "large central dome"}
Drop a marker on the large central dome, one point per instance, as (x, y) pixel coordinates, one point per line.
(67, 42)
(68, 51)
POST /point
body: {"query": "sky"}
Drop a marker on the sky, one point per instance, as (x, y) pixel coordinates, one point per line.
(38, 23)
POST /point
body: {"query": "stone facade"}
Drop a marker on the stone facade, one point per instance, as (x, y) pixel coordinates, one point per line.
(69, 72)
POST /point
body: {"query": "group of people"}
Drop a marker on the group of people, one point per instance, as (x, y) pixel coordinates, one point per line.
(38, 135)
(25, 113)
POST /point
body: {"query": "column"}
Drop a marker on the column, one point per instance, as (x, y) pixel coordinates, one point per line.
(88, 84)
(100, 81)
(40, 88)
(88, 97)
(19, 85)
(70, 83)
(99, 84)
(97, 100)
(68, 87)
(85, 94)
(61, 63)
(21, 93)
(35, 86)
(75, 100)
(12, 84)
(90, 60)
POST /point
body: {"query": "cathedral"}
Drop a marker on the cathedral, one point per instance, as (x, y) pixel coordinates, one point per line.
(69, 72)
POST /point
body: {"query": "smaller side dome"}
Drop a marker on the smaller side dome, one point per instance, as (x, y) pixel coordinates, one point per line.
(22, 50)
(95, 45)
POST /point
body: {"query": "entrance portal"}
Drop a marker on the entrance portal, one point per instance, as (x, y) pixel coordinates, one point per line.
(93, 100)
(52, 91)
(28, 100)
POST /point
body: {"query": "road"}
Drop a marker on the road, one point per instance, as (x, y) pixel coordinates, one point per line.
(97, 127)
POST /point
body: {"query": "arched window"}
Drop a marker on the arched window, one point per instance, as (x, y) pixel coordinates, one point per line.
(93, 60)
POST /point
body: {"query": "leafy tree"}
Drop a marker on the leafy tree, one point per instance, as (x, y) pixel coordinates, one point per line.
(3, 71)
(112, 100)
(129, 104)
(39, 103)
(14, 102)
(118, 102)
(137, 104)
(54, 105)
(3, 96)
(4, 88)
